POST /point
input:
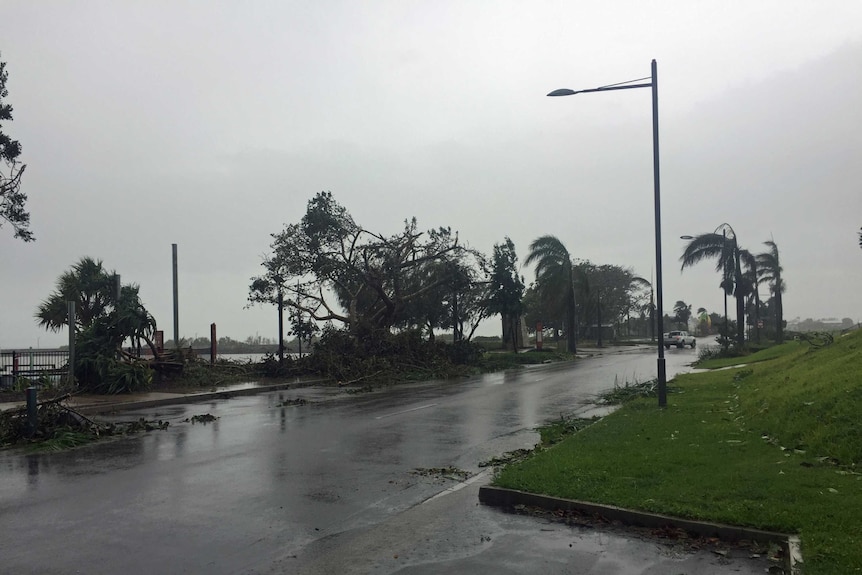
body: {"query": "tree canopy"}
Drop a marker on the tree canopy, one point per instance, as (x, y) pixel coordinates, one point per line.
(12, 199)
(334, 270)
(104, 320)
(507, 289)
(555, 283)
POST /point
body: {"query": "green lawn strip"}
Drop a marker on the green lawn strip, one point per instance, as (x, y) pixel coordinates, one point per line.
(755, 448)
(761, 355)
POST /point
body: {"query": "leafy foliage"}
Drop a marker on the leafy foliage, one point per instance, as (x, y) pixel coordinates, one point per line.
(332, 269)
(555, 282)
(375, 355)
(724, 248)
(12, 199)
(769, 271)
(507, 289)
(103, 322)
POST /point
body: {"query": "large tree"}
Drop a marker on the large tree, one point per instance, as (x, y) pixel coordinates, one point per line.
(555, 281)
(333, 269)
(605, 292)
(721, 245)
(769, 271)
(12, 199)
(507, 290)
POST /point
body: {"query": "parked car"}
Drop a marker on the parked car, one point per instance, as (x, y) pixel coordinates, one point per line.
(679, 339)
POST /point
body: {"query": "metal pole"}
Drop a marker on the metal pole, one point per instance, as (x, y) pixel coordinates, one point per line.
(213, 344)
(176, 300)
(599, 315)
(740, 306)
(280, 324)
(573, 346)
(662, 373)
(299, 330)
(71, 313)
(724, 287)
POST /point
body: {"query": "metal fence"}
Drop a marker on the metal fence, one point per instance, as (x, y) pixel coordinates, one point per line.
(32, 364)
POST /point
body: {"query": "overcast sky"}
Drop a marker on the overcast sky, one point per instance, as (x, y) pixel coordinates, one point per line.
(211, 124)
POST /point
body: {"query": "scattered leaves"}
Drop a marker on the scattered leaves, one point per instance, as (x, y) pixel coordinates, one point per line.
(204, 418)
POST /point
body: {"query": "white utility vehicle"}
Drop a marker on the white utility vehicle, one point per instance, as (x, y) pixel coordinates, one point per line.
(679, 339)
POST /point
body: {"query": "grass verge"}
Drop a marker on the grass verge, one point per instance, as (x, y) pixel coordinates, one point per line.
(775, 445)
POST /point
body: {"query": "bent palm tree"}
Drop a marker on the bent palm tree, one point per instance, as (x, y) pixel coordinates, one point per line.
(555, 278)
(750, 283)
(682, 311)
(769, 271)
(725, 249)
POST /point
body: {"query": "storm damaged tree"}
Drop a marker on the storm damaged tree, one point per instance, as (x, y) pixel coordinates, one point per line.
(507, 290)
(607, 293)
(769, 272)
(458, 300)
(12, 199)
(721, 245)
(555, 282)
(269, 288)
(334, 270)
(105, 322)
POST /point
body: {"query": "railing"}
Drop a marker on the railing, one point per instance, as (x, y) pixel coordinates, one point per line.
(32, 364)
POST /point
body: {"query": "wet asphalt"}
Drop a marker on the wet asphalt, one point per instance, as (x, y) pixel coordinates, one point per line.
(347, 483)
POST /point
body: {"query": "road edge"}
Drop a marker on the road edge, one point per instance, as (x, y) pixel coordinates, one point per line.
(508, 498)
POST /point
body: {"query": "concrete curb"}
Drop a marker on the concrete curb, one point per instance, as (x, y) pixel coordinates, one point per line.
(509, 498)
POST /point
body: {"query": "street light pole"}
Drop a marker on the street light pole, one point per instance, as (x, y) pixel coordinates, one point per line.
(726, 327)
(653, 84)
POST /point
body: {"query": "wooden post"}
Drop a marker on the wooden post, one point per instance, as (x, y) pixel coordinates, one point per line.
(213, 344)
(539, 336)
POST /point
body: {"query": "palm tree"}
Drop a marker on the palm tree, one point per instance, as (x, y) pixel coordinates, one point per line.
(769, 271)
(682, 311)
(87, 284)
(703, 323)
(750, 283)
(637, 283)
(555, 278)
(725, 249)
(94, 291)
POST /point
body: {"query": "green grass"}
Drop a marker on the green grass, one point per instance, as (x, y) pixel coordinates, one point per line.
(776, 445)
(758, 356)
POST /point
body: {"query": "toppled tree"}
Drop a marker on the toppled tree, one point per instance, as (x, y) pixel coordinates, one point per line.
(333, 270)
(103, 323)
(377, 295)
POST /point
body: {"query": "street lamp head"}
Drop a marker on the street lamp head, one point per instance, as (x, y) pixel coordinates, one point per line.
(562, 92)
(686, 237)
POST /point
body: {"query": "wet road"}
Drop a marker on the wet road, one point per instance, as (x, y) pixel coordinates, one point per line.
(328, 487)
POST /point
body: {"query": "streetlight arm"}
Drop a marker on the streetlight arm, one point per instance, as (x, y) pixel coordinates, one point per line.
(568, 92)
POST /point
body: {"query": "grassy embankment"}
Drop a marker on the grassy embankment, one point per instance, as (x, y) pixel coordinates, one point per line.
(775, 444)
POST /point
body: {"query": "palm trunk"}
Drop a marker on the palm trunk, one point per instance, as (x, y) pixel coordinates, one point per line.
(740, 320)
(779, 316)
